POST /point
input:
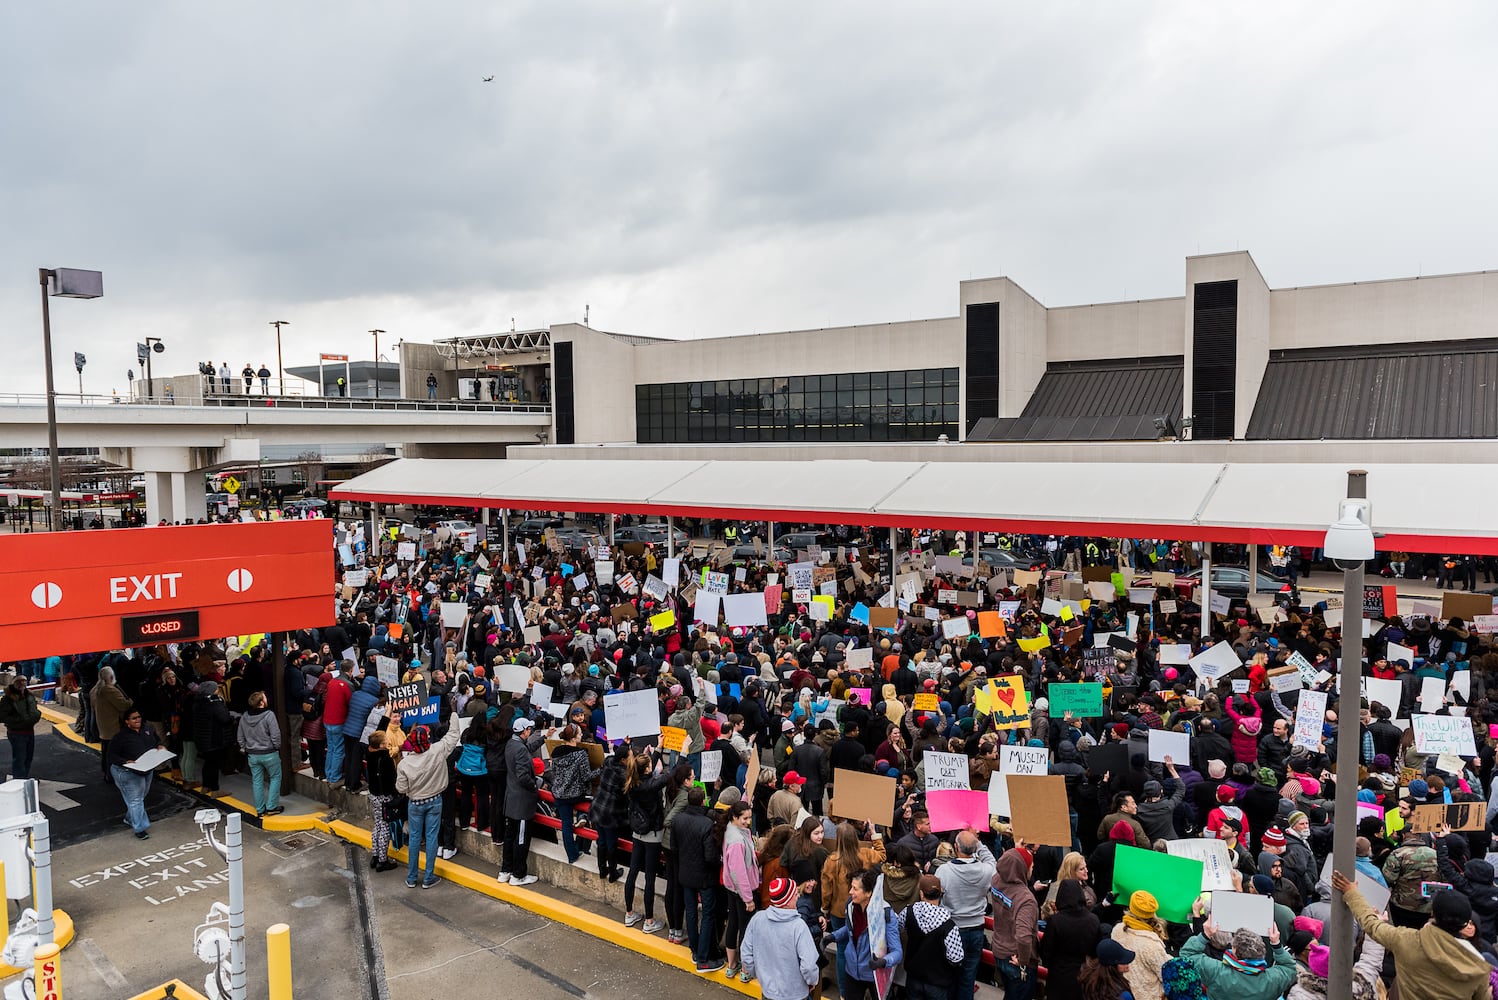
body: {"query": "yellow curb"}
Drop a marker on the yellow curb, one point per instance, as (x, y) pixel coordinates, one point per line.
(63, 933)
(604, 928)
(182, 992)
(63, 724)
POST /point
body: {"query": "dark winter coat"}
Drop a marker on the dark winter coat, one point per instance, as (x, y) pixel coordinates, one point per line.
(697, 851)
(521, 786)
(212, 729)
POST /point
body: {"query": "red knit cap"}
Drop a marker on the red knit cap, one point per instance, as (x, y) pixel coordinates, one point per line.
(1122, 832)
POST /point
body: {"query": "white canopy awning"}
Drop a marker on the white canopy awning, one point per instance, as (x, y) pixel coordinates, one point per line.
(1419, 508)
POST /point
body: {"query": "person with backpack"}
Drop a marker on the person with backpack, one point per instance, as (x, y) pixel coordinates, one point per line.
(933, 945)
(20, 715)
(472, 782)
(646, 812)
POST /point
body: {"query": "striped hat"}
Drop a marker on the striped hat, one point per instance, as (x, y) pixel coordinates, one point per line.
(783, 892)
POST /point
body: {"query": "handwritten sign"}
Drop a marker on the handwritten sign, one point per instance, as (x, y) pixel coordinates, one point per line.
(927, 703)
(408, 697)
(673, 738)
(1443, 734)
(945, 770)
(1310, 712)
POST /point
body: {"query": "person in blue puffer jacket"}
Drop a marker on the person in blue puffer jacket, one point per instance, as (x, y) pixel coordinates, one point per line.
(360, 704)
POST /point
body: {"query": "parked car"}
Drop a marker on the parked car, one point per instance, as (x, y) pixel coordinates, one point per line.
(300, 507)
(1008, 559)
(806, 539)
(461, 530)
(1229, 580)
(745, 553)
(578, 538)
(652, 533)
(535, 527)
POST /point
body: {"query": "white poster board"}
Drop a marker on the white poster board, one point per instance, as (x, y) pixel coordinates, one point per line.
(1164, 743)
(1242, 911)
(631, 713)
(1217, 867)
(945, 770)
(1215, 660)
(1310, 713)
(512, 677)
(1444, 734)
(744, 610)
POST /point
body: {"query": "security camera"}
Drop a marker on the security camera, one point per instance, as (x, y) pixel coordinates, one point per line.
(207, 818)
(1349, 540)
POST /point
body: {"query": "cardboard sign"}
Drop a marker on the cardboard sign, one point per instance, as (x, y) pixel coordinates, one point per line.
(956, 628)
(884, 618)
(1038, 809)
(673, 738)
(1167, 607)
(991, 625)
(859, 796)
(925, 703)
(1284, 679)
(1083, 701)
(1457, 815)
(946, 771)
(1455, 604)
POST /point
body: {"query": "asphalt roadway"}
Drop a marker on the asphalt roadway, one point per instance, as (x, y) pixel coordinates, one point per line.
(355, 933)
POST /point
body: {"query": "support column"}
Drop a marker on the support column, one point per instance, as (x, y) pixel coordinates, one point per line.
(159, 500)
(189, 501)
(1207, 593)
(670, 537)
(1253, 569)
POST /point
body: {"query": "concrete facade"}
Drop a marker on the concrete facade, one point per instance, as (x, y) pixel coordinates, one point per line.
(1456, 307)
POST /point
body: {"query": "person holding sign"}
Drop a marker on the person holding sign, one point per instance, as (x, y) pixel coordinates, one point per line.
(134, 740)
(1245, 971)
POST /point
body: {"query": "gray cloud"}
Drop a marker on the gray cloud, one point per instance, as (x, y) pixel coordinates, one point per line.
(694, 169)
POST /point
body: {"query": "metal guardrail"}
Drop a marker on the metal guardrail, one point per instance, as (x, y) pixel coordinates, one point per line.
(284, 402)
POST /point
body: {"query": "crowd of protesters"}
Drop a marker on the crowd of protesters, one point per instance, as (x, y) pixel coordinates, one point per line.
(758, 878)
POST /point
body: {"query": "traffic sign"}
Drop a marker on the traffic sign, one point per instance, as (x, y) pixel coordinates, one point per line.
(231, 485)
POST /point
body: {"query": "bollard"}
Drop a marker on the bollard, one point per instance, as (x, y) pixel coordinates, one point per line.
(48, 975)
(278, 957)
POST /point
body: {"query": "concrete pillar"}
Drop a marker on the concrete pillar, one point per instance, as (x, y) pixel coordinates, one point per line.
(189, 499)
(159, 505)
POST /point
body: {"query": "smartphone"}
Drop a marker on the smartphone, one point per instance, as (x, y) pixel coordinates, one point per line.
(1429, 889)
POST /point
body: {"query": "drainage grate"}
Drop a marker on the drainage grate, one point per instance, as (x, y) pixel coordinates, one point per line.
(294, 844)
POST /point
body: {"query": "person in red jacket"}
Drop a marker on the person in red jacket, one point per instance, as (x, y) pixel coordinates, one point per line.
(334, 715)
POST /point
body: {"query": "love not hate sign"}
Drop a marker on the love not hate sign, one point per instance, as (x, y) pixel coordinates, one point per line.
(1008, 702)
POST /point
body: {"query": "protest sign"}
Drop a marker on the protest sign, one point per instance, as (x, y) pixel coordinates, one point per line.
(945, 771)
(631, 713)
(453, 614)
(1232, 911)
(1432, 693)
(862, 659)
(1164, 743)
(1444, 734)
(1175, 882)
(671, 572)
(407, 697)
(425, 715)
(662, 621)
(1387, 693)
(707, 606)
(956, 808)
(1008, 702)
(1456, 604)
(1285, 679)
(356, 578)
(1457, 815)
(712, 766)
(1038, 809)
(956, 628)
(512, 677)
(990, 624)
(1083, 701)
(1310, 713)
(673, 738)
(1219, 604)
(744, 610)
(1215, 660)
(886, 618)
(1375, 893)
(859, 796)
(1217, 867)
(927, 703)
(1175, 653)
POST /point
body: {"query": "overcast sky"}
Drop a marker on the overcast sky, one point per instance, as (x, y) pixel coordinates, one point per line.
(702, 168)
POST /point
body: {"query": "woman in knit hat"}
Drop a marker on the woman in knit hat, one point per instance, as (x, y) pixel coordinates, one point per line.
(1310, 983)
(1142, 932)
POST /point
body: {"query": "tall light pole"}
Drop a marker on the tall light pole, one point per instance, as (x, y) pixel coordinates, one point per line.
(68, 283)
(1349, 543)
(153, 346)
(377, 361)
(280, 371)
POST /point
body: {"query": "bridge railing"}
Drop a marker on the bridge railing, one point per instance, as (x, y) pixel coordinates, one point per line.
(285, 402)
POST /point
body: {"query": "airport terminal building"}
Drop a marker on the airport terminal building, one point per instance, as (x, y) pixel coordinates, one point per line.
(1230, 362)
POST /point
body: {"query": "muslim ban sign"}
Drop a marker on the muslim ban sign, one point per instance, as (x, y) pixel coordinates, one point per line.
(945, 770)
